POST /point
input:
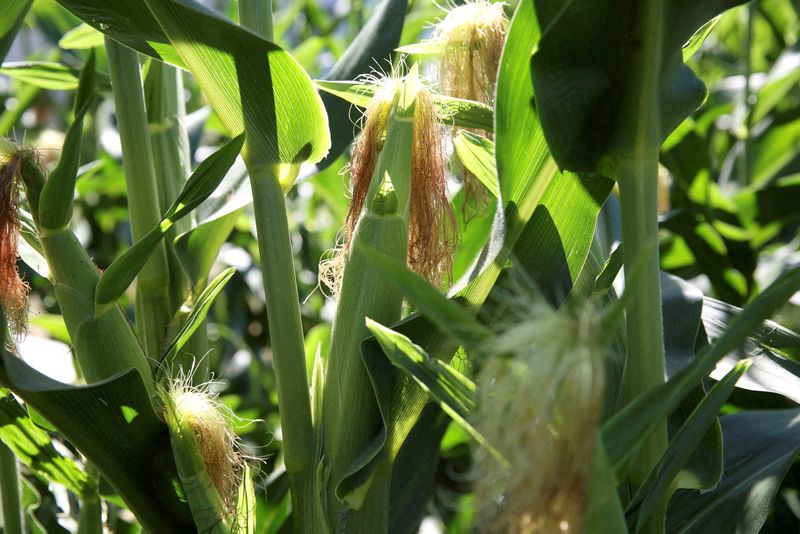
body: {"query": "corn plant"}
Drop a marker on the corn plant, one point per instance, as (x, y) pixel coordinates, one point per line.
(495, 271)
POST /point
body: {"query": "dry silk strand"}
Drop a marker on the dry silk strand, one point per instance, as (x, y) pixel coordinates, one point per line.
(13, 290)
(470, 41)
(431, 228)
(539, 406)
(196, 408)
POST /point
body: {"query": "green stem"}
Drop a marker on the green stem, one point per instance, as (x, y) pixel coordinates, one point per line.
(90, 517)
(283, 312)
(10, 492)
(286, 340)
(166, 114)
(638, 184)
(152, 283)
(256, 15)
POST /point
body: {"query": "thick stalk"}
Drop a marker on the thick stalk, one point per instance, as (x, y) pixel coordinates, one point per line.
(638, 183)
(166, 113)
(152, 283)
(283, 312)
(286, 340)
(10, 492)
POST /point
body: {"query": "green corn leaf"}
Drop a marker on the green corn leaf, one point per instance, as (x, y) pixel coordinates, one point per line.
(580, 86)
(198, 313)
(373, 46)
(252, 84)
(455, 393)
(198, 248)
(604, 280)
(419, 455)
(33, 447)
(459, 112)
(476, 153)
(55, 203)
(604, 513)
(682, 306)
(42, 74)
(198, 187)
(658, 482)
(113, 424)
(10, 22)
(624, 432)
(760, 447)
(449, 317)
(81, 38)
(696, 41)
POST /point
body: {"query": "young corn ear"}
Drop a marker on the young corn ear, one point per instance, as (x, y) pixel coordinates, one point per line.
(204, 447)
(470, 39)
(431, 222)
(13, 290)
(539, 406)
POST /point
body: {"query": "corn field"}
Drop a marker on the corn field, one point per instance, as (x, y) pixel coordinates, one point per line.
(399, 266)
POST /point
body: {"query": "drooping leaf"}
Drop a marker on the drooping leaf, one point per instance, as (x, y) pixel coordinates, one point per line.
(624, 432)
(581, 73)
(42, 74)
(771, 348)
(657, 485)
(455, 393)
(252, 84)
(760, 446)
(113, 424)
(33, 447)
(448, 316)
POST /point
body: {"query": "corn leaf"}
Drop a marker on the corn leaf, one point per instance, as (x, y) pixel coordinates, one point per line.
(372, 46)
(760, 447)
(55, 202)
(455, 393)
(245, 517)
(198, 313)
(449, 317)
(113, 424)
(604, 513)
(33, 447)
(252, 84)
(198, 248)
(476, 153)
(769, 348)
(198, 187)
(459, 112)
(42, 74)
(580, 122)
(420, 455)
(657, 485)
(10, 22)
(80, 38)
(624, 433)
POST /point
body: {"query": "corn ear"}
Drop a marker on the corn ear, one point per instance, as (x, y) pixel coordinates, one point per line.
(202, 445)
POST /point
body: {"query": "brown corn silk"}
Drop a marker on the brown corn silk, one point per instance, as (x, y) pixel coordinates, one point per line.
(13, 290)
(471, 39)
(431, 229)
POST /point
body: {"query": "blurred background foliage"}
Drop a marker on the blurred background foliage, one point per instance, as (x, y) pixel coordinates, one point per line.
(730, 203)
